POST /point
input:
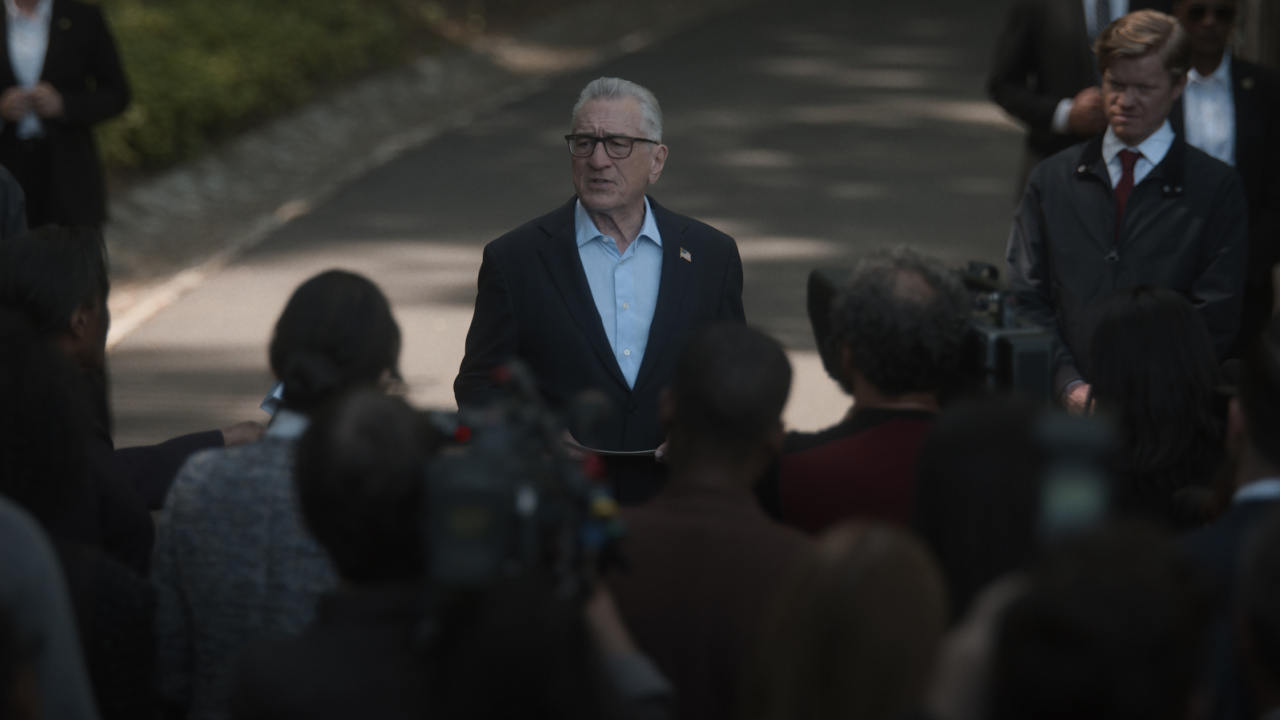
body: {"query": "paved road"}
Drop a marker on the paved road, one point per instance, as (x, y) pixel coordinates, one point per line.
(811, 130)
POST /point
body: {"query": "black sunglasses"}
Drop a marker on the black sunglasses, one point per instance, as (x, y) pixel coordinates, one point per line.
(1222, 13)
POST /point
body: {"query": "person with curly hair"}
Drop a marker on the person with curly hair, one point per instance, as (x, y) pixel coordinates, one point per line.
(902, 322)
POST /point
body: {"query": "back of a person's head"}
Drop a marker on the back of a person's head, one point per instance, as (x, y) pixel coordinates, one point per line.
(360, 474)
(1260, 602)
(1112, 626)
(728, 390)
(1152, 366)
(1260, 393)
(977, 496)
(43, 421)
(336, 333)
(904, 318)
(49, 272)
(853, 632)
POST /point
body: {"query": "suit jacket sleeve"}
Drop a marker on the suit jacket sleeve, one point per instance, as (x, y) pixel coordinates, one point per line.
(1009, 83)
(1029, 276)
(492, 338)
(1218, 289)
(731, 302)
(150, 469)
(109, 94)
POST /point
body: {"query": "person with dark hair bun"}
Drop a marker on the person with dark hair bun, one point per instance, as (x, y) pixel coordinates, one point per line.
(1154, 368)
(233, 558)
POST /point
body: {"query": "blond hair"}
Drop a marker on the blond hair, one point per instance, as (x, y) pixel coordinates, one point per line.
(1141, 33)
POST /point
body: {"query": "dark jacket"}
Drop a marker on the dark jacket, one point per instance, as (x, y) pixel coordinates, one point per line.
(82, 63)
(534, 303)
(1184, 228)
(13, 209)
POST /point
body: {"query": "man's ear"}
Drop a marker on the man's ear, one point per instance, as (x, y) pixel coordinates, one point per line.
(1179, 86)
(775, 438)
(81, 320)
(658, 162)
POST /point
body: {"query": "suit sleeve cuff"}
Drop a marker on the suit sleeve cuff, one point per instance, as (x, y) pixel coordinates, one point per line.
(1062, 116)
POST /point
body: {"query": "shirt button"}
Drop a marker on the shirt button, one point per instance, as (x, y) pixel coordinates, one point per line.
(627, 353)
(626, 306)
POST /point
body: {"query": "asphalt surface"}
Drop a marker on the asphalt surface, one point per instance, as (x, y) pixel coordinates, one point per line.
(810, 130)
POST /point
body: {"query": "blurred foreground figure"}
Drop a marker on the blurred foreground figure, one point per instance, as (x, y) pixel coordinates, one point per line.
(854, 631)
(1257, 618)
(1253, 425)
(902, 321)
(233, 560)
(1111, 626)
(704, 559)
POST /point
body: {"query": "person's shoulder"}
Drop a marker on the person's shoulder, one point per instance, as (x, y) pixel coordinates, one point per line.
(1205, 169)
(1253, 77)
(221, 471)
(522, 239)
(78, 8)
(687, 226)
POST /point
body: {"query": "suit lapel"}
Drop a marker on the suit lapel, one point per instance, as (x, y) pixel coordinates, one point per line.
(559, 253)
(1250, 133)
(677, 276)
(59, 25)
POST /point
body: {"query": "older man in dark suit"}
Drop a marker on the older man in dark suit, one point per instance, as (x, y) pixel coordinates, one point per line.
(1230, 110)
(1044, 72)
(603, 293)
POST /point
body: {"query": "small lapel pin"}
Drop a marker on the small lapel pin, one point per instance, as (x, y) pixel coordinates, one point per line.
(686, 255)
(1247, 83)
(64, 23)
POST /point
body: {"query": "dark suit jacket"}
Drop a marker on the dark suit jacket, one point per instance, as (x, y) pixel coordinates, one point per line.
(534, 304)
(82, 63)
(1255, 91)
(704, 565)
(1042, 57)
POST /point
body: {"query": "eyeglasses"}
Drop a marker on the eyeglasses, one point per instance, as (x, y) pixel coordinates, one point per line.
(617, 147)
(1222, 13)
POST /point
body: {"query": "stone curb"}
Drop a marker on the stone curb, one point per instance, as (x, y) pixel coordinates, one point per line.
(169, 234)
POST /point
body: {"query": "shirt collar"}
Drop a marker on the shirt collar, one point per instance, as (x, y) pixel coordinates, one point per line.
(1258, 490)
(587, 231)
(1222, 75)
(1154, 148)
(288, 425)
(43, 9)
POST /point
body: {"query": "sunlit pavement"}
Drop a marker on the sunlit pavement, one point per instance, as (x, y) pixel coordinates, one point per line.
(810, 130)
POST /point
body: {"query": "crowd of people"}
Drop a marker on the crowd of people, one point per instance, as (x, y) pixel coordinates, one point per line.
(663, 548)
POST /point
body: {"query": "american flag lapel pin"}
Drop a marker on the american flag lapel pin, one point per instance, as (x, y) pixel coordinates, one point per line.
(686, 255)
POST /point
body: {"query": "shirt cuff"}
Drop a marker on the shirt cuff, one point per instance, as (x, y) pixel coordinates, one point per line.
(636, 677)
(1062, 116)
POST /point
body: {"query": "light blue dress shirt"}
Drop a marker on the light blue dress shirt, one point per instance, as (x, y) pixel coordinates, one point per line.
(28, 42)
(1152, 150)
(624, 286)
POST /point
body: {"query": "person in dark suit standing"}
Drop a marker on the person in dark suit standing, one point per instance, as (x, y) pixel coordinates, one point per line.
(603, 293)
(1253, 423)
(1230, 110)
(1044, 72)
(59, 76)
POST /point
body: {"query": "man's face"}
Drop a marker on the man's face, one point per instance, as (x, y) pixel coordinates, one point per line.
(1137, 94)
(1208, 23)
(606, 185)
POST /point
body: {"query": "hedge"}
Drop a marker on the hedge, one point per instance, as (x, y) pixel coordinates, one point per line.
(201, 70)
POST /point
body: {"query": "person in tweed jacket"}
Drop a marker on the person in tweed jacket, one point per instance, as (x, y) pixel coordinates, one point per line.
(233, 561)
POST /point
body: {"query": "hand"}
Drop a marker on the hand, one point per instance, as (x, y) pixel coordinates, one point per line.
(574, 453)
(242, 434)
(660, 455)
(607, 627)
(1087, 117)
(46, 101)
(1076, 399)
(14, 103)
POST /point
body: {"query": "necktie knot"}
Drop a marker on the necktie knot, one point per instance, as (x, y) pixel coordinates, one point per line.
(1128, 160)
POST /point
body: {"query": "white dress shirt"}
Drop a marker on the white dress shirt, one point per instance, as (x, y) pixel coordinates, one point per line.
(1152, 150)
(624, 285)
(1209, 108)
(1263, 490)
(28, 38)
(1119, 8)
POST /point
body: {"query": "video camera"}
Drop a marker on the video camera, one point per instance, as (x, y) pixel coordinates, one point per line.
(504, 500)
(1010, 352)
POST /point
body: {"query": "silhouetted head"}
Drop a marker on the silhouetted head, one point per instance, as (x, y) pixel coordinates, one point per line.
(903, 321)
(360, 474)
(853, 632)
(727, 394)
(336, 334)
(57, 277)
(1153, 368)
(43, 421)
(1259, 608)
(1112, 626)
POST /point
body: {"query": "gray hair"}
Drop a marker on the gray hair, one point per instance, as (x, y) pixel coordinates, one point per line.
(607, 88)
(903, 338)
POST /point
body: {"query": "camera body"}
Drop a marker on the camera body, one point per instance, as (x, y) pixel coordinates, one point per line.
(504, 500)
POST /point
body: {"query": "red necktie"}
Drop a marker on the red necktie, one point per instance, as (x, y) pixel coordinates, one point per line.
(1128, 158)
